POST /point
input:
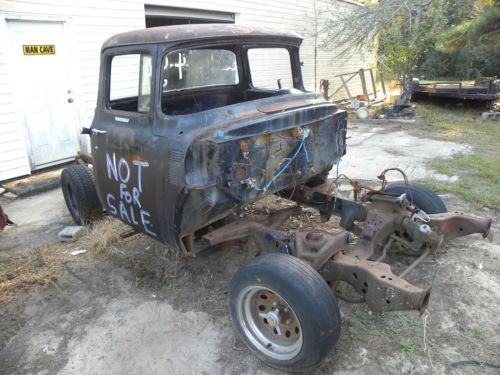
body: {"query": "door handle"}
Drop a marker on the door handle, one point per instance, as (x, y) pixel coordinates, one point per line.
(93, 131)
(70, 100)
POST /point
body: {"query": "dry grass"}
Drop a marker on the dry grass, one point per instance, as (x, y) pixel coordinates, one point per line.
(40, 267)
(45, 264)
(102, 237)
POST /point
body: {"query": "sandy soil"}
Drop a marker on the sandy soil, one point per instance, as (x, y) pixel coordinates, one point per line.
(373, 148)
(139, 308)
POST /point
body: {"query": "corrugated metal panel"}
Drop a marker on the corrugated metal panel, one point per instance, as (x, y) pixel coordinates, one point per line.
(93, 21)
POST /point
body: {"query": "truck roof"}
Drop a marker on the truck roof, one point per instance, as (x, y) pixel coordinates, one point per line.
(179, 33)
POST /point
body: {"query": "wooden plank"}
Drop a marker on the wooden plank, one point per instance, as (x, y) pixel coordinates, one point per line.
(363, 84)
(373, 84)
(344, 83)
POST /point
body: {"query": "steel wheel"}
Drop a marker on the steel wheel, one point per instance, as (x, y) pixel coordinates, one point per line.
(284, 311)
(270, 323)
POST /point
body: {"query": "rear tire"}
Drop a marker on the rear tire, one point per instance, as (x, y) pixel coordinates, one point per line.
(421, 196)
(80, 194)
(284, 311)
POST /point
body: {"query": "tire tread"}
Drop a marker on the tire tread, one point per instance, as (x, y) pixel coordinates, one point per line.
(82, 182)
(313, 288)
(423, 197)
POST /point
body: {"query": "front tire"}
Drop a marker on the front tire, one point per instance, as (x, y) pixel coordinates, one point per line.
(80, 194)
(284, 311)
(421, 196)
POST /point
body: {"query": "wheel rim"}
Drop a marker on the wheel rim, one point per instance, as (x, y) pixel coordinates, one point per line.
(269, 323)
(71, 199)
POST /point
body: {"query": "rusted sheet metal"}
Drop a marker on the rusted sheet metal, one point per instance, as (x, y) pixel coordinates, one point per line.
(277, 107)
(200, 32)
(380, 288)
(247, 167)
(213, 148)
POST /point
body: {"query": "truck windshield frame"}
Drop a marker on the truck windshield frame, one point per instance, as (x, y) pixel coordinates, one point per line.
(199, 67)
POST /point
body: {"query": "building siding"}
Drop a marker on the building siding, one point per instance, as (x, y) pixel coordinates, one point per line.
(91, 22)
(13, 156)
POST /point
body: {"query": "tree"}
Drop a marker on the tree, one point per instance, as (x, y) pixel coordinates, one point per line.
(474, 44)
(468, 45)
(397, 30)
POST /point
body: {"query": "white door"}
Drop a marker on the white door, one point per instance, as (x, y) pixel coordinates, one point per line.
(44, 90)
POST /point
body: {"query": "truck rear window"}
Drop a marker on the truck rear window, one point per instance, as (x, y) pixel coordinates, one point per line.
(195, 68)
(270, 68)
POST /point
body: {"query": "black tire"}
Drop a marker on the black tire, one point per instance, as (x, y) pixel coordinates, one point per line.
(78, 186)
(307, 294)
(421, 196)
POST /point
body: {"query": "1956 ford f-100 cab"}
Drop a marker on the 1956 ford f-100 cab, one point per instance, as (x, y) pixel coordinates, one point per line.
(195, 121)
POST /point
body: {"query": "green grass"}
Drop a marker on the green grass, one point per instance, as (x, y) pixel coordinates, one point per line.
(479, 179)
(407, 346)
(479, 172)
(392, 330)
(460, 125)
(351, 332)
(476, 330)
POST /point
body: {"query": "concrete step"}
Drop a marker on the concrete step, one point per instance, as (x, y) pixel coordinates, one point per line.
(491, 116)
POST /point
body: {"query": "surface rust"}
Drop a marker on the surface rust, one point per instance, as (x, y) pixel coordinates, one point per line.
(459, 224)
(176, 172)
(375, 282)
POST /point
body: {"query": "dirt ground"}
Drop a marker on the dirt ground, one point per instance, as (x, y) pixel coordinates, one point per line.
(39, 218)
(131, 306)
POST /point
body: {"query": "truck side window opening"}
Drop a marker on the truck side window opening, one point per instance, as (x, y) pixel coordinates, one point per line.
(130, 83)
(279, 77)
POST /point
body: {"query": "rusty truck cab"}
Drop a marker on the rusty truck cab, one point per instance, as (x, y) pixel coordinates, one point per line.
(187, 118)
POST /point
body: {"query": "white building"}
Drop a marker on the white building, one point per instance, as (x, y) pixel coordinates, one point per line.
(48, 93)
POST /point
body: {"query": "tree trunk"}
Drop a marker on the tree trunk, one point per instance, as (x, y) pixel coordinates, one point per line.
(405, 97)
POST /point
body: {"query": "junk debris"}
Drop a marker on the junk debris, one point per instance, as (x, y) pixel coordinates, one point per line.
(486, 89)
